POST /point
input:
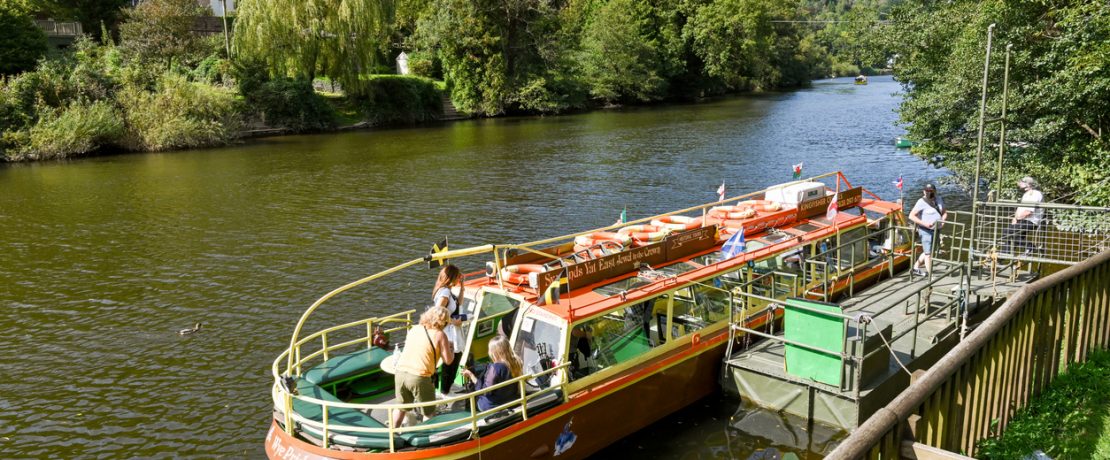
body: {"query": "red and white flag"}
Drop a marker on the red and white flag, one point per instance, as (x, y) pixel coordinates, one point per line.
(830, 213)
(721, 192)
(898, 183)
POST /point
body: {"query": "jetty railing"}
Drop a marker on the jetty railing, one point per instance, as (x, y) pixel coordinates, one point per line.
(1066, 234)
(974, 391)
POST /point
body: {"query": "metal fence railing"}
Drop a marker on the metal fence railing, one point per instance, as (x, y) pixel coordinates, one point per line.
(59, 29)
(1062, 233)
(974, 390)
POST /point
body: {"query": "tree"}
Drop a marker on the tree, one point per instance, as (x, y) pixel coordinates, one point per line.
(626, 55)
(306, 38)
(22, 43)
(736, 39)
(161, 31)
(1059, 88)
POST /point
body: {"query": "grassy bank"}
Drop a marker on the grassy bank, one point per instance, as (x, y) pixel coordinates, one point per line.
(1070, 420)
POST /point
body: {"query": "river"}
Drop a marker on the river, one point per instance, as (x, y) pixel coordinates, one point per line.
(105, 259)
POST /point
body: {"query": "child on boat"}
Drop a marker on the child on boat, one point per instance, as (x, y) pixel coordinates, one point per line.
(505, 366)
(424, 345)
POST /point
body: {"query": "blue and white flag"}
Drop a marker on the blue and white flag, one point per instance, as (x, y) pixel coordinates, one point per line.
(735, 245)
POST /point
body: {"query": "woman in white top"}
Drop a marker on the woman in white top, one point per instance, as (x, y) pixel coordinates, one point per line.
(929, 215)
(442, 296)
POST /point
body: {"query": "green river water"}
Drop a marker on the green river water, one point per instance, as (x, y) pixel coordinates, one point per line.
(105, 259)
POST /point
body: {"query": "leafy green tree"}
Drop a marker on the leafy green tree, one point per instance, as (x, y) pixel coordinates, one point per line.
(624, 54)
(22, 43)
(1059, 88)
(736, 39)
(306, 38)
(161, 31)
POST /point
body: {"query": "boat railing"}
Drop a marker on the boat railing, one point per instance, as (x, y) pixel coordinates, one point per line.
(326, 427)
(387, 324)
(846, 260)
(924, 302)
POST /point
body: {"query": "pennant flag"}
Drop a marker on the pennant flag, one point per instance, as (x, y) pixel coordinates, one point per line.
(830, 213)
(798, 170)
(735, 245)
(623, 218)
(551, 294)
(898, 183)
(721, 192)
(436, 249)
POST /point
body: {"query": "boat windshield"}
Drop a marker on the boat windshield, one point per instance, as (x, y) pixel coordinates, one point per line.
(538, 344)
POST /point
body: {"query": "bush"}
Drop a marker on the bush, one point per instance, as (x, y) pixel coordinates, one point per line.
(75, 130)
(179, 114)
(289, 103)
(398, 99)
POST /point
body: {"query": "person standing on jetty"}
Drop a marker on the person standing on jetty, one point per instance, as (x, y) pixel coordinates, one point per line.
(1025, 218)
(928, 214)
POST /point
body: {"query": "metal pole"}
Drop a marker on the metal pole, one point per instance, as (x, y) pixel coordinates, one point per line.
(979, 147)
(1002, 134)
(227, 36)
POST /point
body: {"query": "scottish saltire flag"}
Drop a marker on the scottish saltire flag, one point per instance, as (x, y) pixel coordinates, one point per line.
(721, 192)
(623, 218)
(735, 245)
(798, 170)
(898, 183)
(830, 213)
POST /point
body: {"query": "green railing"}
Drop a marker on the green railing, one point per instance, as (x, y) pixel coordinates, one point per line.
(974, 391)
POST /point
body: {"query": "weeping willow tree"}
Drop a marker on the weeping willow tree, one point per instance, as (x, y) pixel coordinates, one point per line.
(339, 39)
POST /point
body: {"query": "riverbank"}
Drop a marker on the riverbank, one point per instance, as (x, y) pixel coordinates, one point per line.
(1070, 420)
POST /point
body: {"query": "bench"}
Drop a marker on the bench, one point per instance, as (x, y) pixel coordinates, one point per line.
(339, 416)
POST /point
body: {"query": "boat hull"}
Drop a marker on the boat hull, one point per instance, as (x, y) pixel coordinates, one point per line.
(592, 419)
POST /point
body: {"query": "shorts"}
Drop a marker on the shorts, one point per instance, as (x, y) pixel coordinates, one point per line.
(414, 388)
(926, 235)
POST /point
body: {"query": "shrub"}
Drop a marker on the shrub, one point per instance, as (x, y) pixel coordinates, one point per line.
(179, 114)
(398, 99)
(289, 103)
(75, 130)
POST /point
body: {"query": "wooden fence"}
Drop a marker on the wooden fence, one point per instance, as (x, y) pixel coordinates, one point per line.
(974, 391)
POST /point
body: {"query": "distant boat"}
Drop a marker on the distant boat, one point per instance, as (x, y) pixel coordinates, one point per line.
(903, 143)
(861, 80)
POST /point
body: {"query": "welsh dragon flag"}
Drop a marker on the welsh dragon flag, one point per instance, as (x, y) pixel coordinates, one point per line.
(798, 170)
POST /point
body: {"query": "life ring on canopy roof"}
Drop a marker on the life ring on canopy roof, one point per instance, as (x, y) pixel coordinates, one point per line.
(645, 233)
(518, 274)
(594, 238)
(677, 223)
(762, 205)
(732, 212)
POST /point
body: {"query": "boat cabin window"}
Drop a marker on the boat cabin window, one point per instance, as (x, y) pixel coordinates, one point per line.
(696, 307)
(616, 337)
(538, 344)
(495, 309)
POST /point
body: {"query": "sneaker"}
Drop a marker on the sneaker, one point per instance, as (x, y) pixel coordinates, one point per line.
(919, 272)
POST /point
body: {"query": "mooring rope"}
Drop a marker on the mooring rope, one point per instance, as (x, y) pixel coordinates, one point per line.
(867, 319)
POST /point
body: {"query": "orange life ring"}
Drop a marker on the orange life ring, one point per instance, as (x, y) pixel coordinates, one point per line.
(591, 239)
(677, 223)
(761, 205)
(695, 339)
(518, 274)
(645, 233)
(732, 212)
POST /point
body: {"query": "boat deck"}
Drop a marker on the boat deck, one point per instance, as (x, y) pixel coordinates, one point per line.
(758, 373)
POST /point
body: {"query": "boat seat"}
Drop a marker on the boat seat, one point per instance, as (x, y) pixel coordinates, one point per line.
(440, 436)
(504, 418)
(347, 366)
(340, 416)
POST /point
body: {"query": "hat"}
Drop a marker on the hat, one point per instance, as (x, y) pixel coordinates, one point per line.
(930, 187)
(1028, 181)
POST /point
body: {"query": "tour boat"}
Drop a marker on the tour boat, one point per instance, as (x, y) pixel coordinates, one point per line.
(861, 80)
(617, 327)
